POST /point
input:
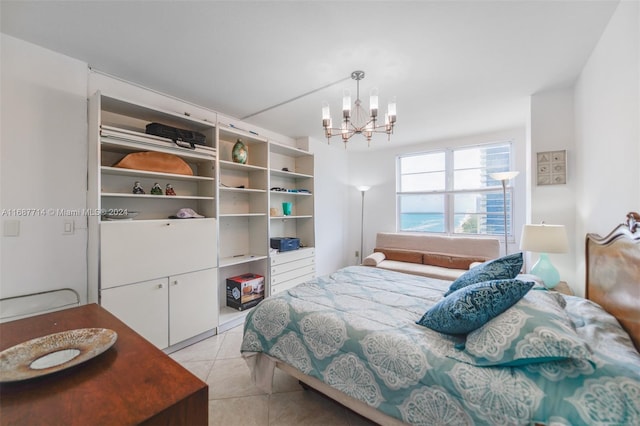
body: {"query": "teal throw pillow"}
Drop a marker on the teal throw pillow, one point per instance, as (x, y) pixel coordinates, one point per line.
(503, 268)
(535, 330)
(473, 306)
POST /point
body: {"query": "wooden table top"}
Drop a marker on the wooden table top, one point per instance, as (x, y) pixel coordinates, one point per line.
(130, 383)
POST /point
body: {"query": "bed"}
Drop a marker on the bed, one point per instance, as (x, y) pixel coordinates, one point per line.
(546, 359)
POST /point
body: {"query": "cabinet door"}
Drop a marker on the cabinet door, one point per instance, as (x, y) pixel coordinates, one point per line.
(193, 304)
(143, 307)
(132, 251)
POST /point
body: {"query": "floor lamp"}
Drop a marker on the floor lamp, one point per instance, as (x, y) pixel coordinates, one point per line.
(504, 177)
(362, 190)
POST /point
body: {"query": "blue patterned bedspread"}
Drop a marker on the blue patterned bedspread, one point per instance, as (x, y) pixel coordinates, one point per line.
(355, 331)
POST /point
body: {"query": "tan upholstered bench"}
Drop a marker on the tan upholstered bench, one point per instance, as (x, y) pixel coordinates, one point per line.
(435, 256)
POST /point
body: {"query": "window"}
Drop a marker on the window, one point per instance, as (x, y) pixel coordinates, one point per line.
(450, 191)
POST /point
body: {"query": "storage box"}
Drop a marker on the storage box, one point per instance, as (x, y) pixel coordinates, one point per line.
(285, 244)
(245, 291)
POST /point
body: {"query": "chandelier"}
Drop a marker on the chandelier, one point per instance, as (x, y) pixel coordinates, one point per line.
(356, 121)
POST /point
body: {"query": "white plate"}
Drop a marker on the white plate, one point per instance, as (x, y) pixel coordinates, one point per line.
(55, 352)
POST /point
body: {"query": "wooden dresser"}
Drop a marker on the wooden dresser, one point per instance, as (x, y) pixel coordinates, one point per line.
(133, 382)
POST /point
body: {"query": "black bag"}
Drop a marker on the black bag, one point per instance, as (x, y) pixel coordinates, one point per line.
(182, 138)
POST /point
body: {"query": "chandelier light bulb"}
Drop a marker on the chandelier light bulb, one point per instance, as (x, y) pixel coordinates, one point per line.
(391, 111)
(373, 102)
(326, 112)
(346, 104)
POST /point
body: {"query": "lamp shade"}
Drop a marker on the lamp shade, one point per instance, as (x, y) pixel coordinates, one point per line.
(544, 239)
(503, 175)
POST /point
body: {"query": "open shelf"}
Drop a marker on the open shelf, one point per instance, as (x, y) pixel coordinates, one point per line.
(286, 174)
(291, 217)
(118, 171)
(239, 259)
(241, 214)
(227, 189)
(158, 197)
(126, 146)
(230, 318)
(230, 165)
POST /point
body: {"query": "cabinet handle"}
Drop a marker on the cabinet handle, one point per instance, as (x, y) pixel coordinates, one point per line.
(175, 282)
(160, 285)
(168, 223)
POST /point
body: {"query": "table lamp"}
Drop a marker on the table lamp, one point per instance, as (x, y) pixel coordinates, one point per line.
(545, 239)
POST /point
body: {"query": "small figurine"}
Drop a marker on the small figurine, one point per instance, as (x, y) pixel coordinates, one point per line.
(169, 190)
(137, 189)
(156, 190)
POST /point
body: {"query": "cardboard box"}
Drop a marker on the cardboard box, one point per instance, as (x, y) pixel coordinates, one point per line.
(245, 291)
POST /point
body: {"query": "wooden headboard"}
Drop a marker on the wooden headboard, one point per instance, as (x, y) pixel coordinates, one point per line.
(613, 273)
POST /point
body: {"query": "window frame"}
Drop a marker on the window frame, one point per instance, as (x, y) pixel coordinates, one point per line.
(449, 193)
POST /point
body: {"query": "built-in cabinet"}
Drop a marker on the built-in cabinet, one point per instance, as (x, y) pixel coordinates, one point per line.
(156, 273)
(166, 277)
(291, 181)
(242, 213)
(250, 206)
(166, 311)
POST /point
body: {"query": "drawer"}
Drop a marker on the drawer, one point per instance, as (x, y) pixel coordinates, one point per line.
(290, 256)
(286, 285)
(133, 251)
(286, 276)
(289, 266)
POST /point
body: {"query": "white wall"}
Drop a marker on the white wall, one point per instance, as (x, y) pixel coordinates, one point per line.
(331, 206)
(607, 103)
(552, 129)
(377, 169)
(43, 166)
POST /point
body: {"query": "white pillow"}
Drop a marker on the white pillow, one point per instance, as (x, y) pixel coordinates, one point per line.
(373, 259)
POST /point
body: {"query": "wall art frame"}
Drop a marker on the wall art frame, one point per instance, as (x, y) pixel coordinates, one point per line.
(552, 167)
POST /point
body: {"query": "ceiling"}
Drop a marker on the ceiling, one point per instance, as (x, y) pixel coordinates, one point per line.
(455, 68)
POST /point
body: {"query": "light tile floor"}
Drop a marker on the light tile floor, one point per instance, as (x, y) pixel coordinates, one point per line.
(234, 400)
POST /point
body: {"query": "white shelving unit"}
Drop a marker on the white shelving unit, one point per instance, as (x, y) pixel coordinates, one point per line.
(243, 207)
(291, 180)
(157, 274)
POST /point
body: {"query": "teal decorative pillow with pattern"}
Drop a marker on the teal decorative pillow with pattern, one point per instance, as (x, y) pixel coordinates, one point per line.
(535, 330)
(472, 306)
(503, 268)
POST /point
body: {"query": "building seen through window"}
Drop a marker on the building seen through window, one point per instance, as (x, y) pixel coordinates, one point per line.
(450, 191)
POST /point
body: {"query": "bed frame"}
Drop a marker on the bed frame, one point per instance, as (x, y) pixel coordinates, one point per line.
(613, 273)
(612, 281)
